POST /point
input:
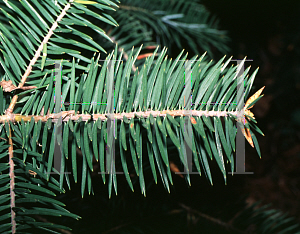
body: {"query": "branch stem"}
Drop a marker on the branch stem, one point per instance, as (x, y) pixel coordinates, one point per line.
(12, 182)
(66, 115)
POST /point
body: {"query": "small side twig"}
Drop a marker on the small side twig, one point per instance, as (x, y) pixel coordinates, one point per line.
(212, 219)
(172, 212)
(46, 221)
(120, 49)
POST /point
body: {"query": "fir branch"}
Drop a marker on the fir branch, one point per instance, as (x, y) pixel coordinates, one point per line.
(37, 55)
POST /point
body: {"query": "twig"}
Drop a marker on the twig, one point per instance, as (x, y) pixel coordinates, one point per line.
(120, 49)
(66, 115)
(3, 139)
(46, 221)
(139, 220)
(212, 219)
(12, 182)
(125, 55)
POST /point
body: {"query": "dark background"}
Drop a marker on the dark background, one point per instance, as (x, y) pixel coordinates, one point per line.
(269, 33)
